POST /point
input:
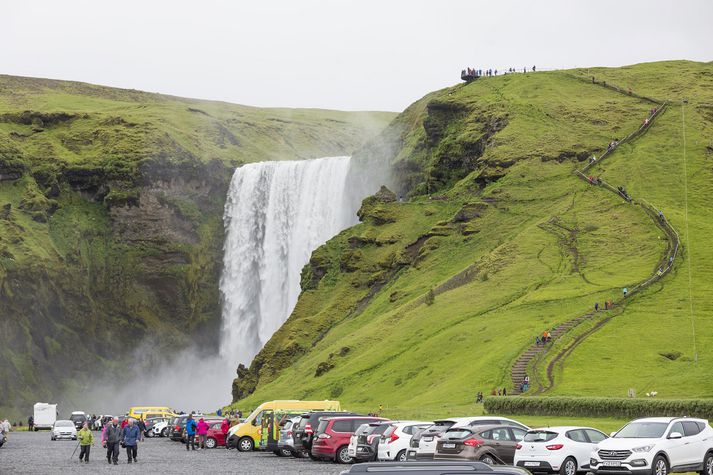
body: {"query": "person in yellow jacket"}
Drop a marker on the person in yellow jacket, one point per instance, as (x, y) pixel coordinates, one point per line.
(86, 440)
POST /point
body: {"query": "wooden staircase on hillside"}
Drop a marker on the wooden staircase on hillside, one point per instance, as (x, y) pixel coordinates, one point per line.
(519, 369)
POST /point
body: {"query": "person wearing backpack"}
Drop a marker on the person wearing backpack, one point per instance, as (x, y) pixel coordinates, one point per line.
(191, 427)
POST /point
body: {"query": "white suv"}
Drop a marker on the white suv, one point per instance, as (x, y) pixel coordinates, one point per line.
(656, 446)
(564, 450)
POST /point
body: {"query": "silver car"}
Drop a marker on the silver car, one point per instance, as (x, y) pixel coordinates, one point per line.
(286, 443)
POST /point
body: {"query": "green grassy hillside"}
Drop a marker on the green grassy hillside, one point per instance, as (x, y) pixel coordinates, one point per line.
(428, 301)
(111, 228)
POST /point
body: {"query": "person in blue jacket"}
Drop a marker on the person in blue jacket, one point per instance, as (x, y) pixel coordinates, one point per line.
(130, 437)
(191, 432)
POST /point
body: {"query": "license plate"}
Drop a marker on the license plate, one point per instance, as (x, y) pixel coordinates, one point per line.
(611, 463)
(449, 446)
(532, 464)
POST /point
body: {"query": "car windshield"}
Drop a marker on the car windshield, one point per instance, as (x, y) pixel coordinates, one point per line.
(76, 417)
(539, 436)
(63, 424)
(642, 430)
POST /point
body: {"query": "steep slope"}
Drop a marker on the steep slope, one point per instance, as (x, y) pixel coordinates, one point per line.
(111, 227)
(430, 300)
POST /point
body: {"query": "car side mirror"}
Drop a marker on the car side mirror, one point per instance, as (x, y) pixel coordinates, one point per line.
(675, 435)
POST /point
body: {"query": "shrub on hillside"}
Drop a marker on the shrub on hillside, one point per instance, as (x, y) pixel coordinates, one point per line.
(599, 407)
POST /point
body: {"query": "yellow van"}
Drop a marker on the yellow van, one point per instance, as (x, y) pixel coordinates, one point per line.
(247, 434)
(144, 412)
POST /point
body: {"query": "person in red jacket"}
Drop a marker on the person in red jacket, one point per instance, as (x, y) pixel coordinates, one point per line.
(224, 428)
(202, 430)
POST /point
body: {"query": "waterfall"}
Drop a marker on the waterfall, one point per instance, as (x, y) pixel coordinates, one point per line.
(276, 214)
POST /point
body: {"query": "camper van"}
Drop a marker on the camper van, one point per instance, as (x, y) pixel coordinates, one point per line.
(247, 435)
(45, 415)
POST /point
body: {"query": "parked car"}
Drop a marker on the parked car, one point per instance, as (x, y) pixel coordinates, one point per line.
(179, 424)
(63, 429)
(286, 442)
(151, 422)
(490, 444)
(78, 418)
(161, 428)
(565, 450)
(428, 440)
(364, 443)
(395, 442)
(210, 422)
(433, 468)
(331, 441)
(657, 446)
(303, 430)
(215, 437)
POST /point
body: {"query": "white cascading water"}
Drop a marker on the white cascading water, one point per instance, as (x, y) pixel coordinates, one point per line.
(276, 214)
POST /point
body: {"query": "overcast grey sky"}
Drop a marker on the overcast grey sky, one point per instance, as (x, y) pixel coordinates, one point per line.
(379, 55)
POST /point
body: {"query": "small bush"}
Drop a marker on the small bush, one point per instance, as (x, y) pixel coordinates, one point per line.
(599, 407)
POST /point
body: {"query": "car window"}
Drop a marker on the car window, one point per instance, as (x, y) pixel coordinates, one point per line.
(539, 436)
(322, 426)
(517, 433)
(458, 433)
(258, 419)
(642, 430)
(595, 436)
(484, 422)
(690, 428)
(577, 436)
(215, 427)
(342, 426)
(677, 427)
(498, 434)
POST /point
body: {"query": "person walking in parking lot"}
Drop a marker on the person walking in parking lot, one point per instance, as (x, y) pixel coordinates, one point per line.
(130, 436)
(190, 433)
(112, 438)
(202, 429)
(86, 440)
(224, 428)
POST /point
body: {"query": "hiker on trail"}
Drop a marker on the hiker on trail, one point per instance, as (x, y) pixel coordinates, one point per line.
(533, 69)
(524, 70)
(130, 437)
(537, 341)
(110, 439)
(505, 391)
(499, 393)
(86, 440)
(479, 397)
(202, 429)
(596, 306)
(593, 159)
(30, 423)
(593, 81)
(646, 122)
(526, 379)
(660, 271)
(191, 433)
(625, 291)
(661, 215)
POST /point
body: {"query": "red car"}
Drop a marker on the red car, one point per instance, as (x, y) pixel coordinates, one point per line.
(331, 440)
(215, 438)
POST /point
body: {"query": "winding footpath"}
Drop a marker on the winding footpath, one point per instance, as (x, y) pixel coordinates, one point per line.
(530, 360)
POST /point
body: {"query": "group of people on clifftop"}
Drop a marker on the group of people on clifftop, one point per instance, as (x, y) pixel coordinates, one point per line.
(469, 74)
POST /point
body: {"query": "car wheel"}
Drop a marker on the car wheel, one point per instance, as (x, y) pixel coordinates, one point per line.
(402, 456)
(286, 452)
(164, 433)
(149, 433)
(246, 444)
(569, 467)
(660, 466)
(487, 458)
(210, 443)
(343, 455)
(708, 464)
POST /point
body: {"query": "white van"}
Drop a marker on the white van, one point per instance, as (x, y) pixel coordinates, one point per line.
(45, 415)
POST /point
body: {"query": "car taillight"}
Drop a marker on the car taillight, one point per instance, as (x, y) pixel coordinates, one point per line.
(393, 437)
(324, 436)
(518, 446)
(473, 442)
(289, 433)
(555, 446)
(308, 428)
(177, 428)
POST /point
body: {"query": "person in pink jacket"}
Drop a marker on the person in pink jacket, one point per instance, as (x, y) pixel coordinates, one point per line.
(202, 430)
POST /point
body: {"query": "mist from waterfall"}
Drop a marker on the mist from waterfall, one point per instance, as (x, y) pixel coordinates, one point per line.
(276, 214)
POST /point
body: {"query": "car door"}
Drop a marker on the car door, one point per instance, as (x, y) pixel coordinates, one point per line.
(579, 446)
(695, 448)
(595, 437)
(504, 444)
(678, 449)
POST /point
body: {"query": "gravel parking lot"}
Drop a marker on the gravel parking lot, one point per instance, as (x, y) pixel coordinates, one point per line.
(34, 452)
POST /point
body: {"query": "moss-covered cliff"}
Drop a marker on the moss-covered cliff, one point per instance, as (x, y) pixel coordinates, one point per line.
(111, 228)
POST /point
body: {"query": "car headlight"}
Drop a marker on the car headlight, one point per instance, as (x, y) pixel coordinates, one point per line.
(643, 448)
